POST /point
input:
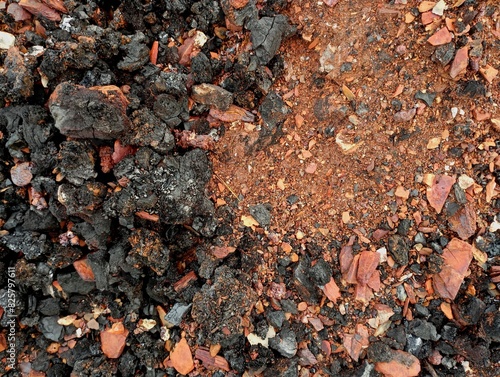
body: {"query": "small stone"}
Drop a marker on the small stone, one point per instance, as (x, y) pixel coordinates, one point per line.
(321, 272)
(7, 40)
(306, 357)
(440, 37)
(488, 72)
(444, 53)
(420, 238)
(399, 364)
(460, 62)
(399, 249)
(50, 328)
(261, 213)
(423, 329)
(212, 95)
(439, 8)
(405, 115)
(285, 343)
(276, 318)
(175, 315)
(428, 98)
(426, 6)
(21, 174)
(113, 340)
(136, 53)
(428, 18)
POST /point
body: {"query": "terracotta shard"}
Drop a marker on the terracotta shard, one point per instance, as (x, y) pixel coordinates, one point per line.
(57, 5)
(345, 259)
(181, 357)
(401, 364)
(83, 269)
(355, 343)
(460, 62)
(440, 37)
(439, 190)
(456, 257)
(37, 8)
(352, 273)
(464, 221)
(368, 262)
(331, 290)
(211, 361)
(113, 340)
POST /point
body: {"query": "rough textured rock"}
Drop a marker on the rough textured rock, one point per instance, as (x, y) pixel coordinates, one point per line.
(222, 305)
(97, 112)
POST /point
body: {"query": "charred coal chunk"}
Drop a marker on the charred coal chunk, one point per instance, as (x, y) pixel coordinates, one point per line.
(274, 112)
(172, 105)
(80, 54)
(95, 232)
(77, 161)
(98, 112)
(136, 53)
(31, 244)
(28, 127)
(267, 35)
(148, 249)
(99, 75)
(223, 304)
(201, 69)
(82, 201)
(40, 221)
(149, 130)
(16, 81)
(206, 13)
(181, 188)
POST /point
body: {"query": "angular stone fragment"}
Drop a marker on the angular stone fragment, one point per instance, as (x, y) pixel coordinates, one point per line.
(37, 8)
(464, 221)
(401, 364)
(399, 249)
(237, 13)
(444, 53)
(212, 95)
(456, 258)
(77, 161)
(16, 79)
(439, 190)
(405, 115)
(440, 37)
(460, 62)
(137, 53)
(7, 40)
(267, 34)
(219, 308)
(285, 343)
(98, 112)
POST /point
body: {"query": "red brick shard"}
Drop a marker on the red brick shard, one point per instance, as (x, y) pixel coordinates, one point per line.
(439, 190)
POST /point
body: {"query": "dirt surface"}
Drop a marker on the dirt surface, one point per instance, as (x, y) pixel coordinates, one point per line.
(250, 188)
